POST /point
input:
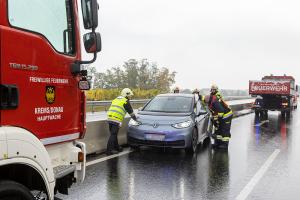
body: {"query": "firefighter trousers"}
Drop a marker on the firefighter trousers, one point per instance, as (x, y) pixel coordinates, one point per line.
(112, 143)
(223, 132)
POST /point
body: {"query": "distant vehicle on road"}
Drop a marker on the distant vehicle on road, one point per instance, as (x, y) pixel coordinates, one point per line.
(274, 93)
(170, 120)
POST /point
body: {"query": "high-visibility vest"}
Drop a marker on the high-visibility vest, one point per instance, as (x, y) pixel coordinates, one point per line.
(116, 111)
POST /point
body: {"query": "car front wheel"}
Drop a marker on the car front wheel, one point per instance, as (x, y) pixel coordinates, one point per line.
(194, 143)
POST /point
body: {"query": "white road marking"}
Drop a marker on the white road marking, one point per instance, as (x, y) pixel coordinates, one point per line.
(261, 123)
(107, 158)
(259, 174)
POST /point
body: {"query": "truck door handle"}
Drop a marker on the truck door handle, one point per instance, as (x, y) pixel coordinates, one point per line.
(9, 97)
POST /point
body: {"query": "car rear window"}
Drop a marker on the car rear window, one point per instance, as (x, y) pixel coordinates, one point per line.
(173, 104)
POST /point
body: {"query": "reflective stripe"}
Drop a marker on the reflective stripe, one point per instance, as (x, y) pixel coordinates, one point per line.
(229, 114)
(225, 139)
(61, 138)
(220, 114)
(117, 111)
(119, 107)
(219, 137)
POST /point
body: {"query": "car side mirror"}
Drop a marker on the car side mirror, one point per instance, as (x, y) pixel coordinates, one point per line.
(89, 13)
(92, 42)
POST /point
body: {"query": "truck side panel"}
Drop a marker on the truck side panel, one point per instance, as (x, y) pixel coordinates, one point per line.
(48, 103)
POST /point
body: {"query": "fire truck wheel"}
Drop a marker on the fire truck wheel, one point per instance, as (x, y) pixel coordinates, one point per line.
(282, 114)
(288, 114)
(11, 190)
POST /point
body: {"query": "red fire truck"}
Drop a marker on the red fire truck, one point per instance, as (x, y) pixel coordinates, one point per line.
(274, 93)
(42, 103)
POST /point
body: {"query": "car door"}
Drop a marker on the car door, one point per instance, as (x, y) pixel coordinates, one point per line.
(201, 119)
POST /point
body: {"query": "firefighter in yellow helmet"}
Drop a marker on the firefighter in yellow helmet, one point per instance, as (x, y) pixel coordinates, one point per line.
(115, 116)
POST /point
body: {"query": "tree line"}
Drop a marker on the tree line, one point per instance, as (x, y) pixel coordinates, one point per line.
(134, 74)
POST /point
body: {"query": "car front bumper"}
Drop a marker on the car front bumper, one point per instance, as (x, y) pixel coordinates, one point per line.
(174, 138)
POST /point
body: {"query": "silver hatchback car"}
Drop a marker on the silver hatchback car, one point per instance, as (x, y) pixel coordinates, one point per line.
(170, 120)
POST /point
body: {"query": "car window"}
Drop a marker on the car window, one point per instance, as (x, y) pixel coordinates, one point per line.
(176, 104)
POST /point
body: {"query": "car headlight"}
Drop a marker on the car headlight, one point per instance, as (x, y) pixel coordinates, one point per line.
(182, 124)
(132, 122)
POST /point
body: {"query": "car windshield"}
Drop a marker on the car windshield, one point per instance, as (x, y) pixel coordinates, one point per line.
(173, 104)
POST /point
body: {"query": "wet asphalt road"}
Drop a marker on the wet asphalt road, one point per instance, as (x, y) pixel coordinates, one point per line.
(171, 174)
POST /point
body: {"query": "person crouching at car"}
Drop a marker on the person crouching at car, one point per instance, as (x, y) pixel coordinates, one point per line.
(115, 116)
(221, 118)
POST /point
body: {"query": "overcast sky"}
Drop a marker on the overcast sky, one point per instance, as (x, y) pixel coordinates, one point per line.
(226, 42)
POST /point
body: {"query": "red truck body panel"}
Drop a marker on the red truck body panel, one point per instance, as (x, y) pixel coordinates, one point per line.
(269, 87)
(50, 102)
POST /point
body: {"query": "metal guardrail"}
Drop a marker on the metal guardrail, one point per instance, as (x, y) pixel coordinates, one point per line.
(106, 104)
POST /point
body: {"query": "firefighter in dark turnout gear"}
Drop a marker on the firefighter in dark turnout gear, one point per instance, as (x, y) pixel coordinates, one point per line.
(115, 116)
(221, 118)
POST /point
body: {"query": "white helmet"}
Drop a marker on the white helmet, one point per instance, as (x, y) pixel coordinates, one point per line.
(126, 92)
(214, 87)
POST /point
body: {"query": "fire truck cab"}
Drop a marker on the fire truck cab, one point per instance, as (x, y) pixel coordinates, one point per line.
(42, 105)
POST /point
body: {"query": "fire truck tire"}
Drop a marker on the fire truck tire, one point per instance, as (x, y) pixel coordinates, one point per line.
(265, 114)
(288, 114)
(11, 190)
(283, 114)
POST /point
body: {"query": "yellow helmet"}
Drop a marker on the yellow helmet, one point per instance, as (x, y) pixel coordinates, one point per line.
(126, 92)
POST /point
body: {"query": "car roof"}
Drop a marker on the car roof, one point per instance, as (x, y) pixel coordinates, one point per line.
(175, 95)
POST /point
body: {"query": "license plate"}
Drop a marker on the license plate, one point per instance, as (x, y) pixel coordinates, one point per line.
(155, 137)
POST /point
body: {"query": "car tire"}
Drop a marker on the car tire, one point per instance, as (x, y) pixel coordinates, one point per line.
(194, 143)
(11, 190)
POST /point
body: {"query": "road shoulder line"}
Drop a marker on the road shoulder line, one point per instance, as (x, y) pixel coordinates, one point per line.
(107, 158)
(259, 174)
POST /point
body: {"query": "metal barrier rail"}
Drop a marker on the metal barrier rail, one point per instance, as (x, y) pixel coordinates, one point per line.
(134, 102)
(106, 104)
(98, 133)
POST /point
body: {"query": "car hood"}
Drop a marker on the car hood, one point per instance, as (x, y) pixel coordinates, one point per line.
(162, 119)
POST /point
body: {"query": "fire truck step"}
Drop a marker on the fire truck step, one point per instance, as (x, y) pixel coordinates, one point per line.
(63, 170)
